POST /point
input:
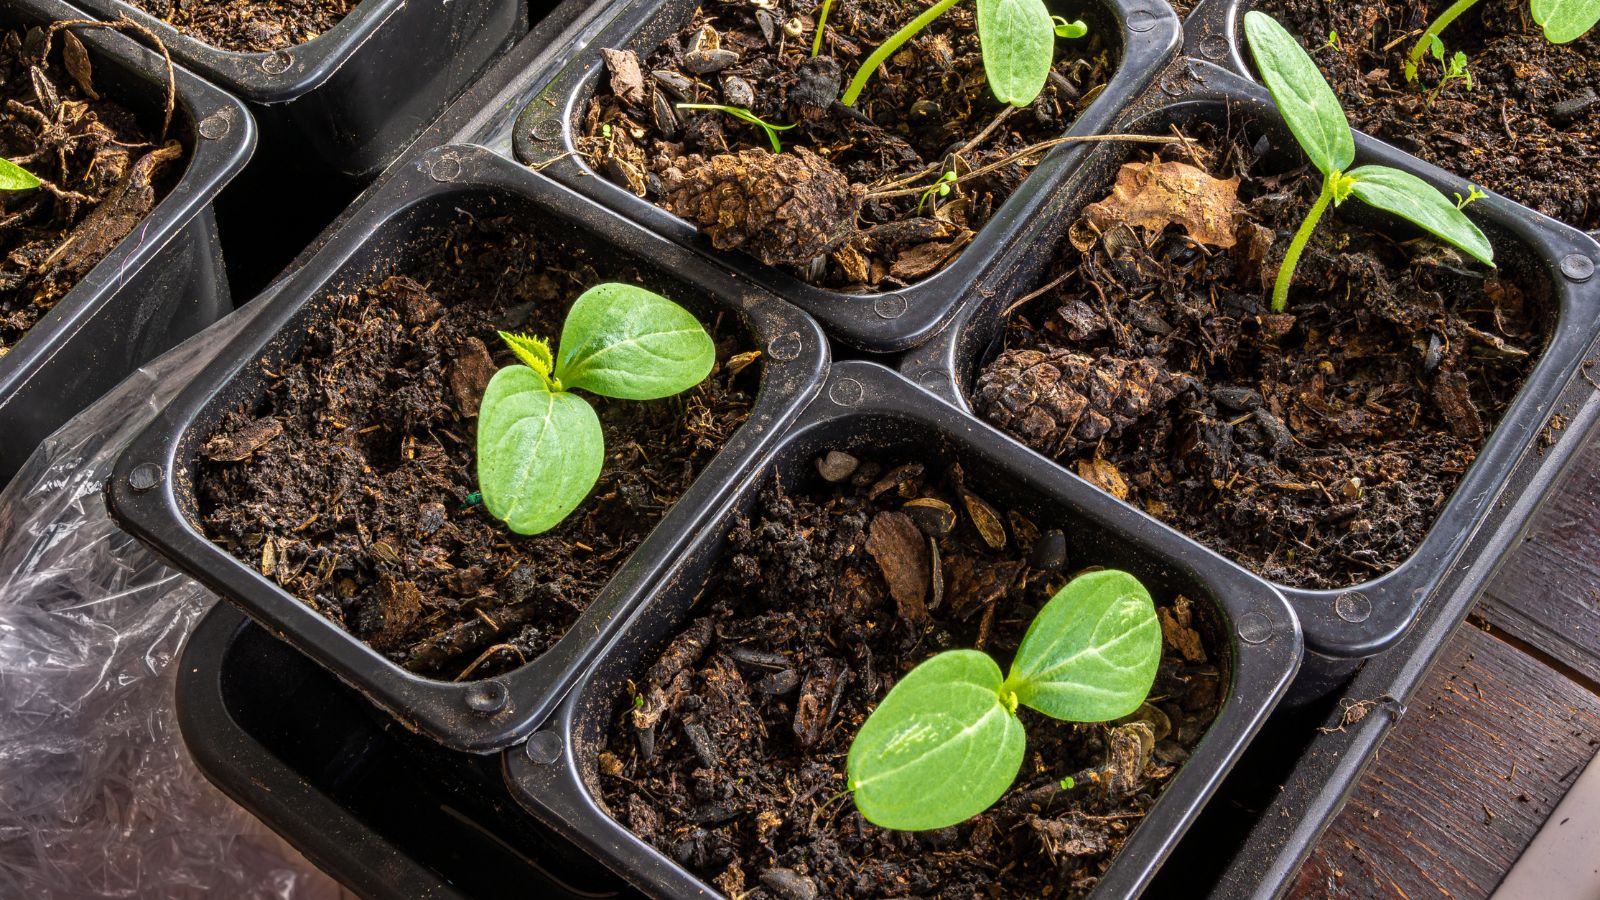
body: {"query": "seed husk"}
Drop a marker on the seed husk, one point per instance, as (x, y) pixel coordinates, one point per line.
(932, 515)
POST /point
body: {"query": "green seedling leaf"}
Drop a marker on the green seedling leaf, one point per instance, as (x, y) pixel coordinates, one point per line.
(623, 341)
(1416, 201)
(534, 353)
(1091, 653)
(539, 451)
(1070, 30)
(942, 746)
(1565, 21)
(15, 178)
(1302, 95)
(1018, 42)
(745, 115)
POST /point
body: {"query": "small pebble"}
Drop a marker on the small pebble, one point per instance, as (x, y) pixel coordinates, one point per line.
(789, 884)
(836, 465)
(1049, 552)
(705, 62)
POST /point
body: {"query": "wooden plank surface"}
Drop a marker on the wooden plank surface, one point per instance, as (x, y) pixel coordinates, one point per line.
(1547, 595)
(1491, 744)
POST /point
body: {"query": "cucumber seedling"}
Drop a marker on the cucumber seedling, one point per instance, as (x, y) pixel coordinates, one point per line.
(1018, 39)
(1563, 21)
(540, 446)
(15, 178)
(1316, 119)
(946, 742)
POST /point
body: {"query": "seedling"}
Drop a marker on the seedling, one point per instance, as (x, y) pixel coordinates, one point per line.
(822, 19)
(1563, 21)
(1473, 196)
(1333, 42)
(1453, 69)
(946, 742)
(1318, 123)
(1018, 38)
(940, 188)
(15, 178)
(744, 115)
(540, 446)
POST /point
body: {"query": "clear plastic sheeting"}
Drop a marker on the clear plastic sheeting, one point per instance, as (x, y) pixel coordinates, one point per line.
(98, 796)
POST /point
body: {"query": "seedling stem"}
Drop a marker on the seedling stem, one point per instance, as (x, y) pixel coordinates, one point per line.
(888, 48)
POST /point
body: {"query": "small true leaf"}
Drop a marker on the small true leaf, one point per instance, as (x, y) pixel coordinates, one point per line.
(1302, 95)
(941, 747)
(1018, 42)
(1091, 653)
(1564, 21)
(539, 451)
(1416, 201)
(15, 178)
(1077, 28)
(623, 341)
(534, 353)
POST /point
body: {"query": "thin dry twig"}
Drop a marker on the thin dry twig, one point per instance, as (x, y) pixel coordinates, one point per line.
(125, 24)
(1029, 151)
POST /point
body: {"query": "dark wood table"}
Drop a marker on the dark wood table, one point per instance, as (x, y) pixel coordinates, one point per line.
(1501, 729)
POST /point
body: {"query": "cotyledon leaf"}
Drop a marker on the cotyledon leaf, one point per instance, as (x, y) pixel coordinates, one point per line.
(539, 451)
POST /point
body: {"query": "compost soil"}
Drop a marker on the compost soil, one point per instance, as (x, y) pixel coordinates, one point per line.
(250, 26)
(1528, 127)
(731, 756)
(102, 172)
(853, 211)
(352, 482)
(1316, 447)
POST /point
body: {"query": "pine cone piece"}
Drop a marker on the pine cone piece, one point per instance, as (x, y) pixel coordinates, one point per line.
(781, 208)
(1058, 401)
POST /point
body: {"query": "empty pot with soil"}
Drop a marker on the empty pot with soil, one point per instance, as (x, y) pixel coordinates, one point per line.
(1342, 447)
(871, 194)
(106, 231)
(706, 751)
(328, 468)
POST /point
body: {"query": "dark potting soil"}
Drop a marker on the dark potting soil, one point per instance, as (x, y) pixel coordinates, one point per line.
(1315, 447)
(850, 212)
(102, 170)
(732, 758)
(351, 482)
(1528, 127)
(250, 26)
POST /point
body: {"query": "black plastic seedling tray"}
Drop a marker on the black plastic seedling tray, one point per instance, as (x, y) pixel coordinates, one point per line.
(1341, 626)
(304, 753)
(350, 100)
(151, 492)
(159, 285)
(1148, 33)
(867, 409)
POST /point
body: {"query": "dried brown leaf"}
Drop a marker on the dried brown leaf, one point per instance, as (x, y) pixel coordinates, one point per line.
(1157, 194)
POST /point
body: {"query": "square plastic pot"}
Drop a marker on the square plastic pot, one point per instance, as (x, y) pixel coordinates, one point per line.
(1148, 35)
(349, 101)
(869, 409)
(1556, 262)
(160, 284)
(151, 490)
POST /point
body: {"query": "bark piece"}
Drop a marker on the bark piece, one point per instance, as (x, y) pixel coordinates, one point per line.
(897, 544)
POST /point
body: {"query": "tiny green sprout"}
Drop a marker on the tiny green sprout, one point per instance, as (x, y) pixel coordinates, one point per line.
(940, 188)
(540, 447)
(605, 130)
(1563, 21)
(1333, 42)
(1314, 116)
(822, 20)
(638, 701)
(1017, 38)
(1454, 69)
(744, 115)
(1473, 196)
(1068, 783)
(1073, 30)
(15, 178)
(946, 743)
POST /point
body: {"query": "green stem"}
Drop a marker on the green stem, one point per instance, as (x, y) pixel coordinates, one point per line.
(822, 19)
(1280, 291)
(887, 49)
(1439, 25)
